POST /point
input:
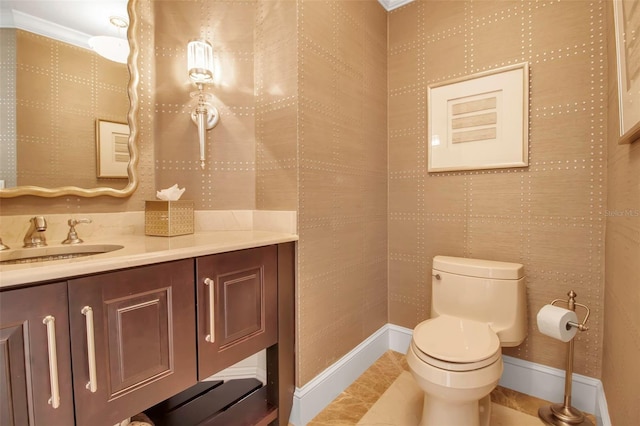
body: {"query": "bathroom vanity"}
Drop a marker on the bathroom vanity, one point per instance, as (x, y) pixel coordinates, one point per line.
(100, 342)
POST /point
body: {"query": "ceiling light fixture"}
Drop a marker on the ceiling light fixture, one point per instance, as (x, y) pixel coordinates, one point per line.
(113, 48)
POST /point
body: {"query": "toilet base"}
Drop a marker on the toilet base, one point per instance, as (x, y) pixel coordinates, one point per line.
(454, 398)
(439, 412)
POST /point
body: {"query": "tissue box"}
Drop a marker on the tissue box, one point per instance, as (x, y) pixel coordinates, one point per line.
(168, 218)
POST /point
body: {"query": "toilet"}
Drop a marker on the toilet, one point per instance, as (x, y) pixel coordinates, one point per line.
(477, 307)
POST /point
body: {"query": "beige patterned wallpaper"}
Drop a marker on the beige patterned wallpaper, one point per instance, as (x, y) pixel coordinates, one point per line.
(229, 178)
(276, 89)
(549, 216)
(8, 54)
(342, 215)
(620, 368)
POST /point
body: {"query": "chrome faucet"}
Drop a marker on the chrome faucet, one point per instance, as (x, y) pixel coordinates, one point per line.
(35, 235)
(72, 237)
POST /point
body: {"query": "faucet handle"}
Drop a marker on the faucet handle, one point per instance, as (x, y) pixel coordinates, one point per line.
(72, 237)
(74, 222)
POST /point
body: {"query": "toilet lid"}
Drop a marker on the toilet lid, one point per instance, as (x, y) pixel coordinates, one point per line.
(456, 340)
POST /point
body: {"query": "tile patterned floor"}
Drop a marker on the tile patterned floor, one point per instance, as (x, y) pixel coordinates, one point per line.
(401, 405)
(351, 406)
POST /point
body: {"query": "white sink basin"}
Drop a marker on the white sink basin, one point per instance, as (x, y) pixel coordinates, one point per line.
(43, 254)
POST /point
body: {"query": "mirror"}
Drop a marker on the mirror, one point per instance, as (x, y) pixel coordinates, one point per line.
(54, 129)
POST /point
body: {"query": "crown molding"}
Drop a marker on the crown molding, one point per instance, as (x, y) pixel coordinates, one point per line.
(16, 19)
(389, 5)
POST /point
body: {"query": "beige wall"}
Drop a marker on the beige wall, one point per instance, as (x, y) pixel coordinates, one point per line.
(228, 181)
(342, 253)
(276, 87)
(8, 54)
(548, 216)
(620, 370)
(252, 152)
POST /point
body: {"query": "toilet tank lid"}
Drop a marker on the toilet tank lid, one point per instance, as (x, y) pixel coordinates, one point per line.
(479, 268)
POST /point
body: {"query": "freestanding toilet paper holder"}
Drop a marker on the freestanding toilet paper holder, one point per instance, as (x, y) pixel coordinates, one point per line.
(563, 414)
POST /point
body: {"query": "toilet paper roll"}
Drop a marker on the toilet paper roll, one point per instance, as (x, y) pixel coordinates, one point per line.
(554, 322)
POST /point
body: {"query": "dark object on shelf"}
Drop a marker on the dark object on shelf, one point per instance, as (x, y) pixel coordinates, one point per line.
(234, 402)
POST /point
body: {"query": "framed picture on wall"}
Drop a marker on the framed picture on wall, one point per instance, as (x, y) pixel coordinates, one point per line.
(480, 121)
(112, 149)
(626, 14)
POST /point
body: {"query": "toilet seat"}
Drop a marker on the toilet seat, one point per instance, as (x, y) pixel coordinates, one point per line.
(456, 344)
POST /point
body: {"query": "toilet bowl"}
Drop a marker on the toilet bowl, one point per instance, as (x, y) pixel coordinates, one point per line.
(458, 371)
(455, 357)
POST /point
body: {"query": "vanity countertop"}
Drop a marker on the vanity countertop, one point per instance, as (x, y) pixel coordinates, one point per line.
(139, 250)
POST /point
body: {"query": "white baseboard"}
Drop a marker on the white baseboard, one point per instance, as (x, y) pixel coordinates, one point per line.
(602, 409)
(252, 367)
(311, 398)
(399, 338)
(547, 383)
(522, 376)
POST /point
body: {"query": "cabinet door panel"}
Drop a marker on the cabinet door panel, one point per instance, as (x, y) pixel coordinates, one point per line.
(137, 357)
(144, 333)
(240, 296)
(244, 310)
(14, 403)
(25, 384)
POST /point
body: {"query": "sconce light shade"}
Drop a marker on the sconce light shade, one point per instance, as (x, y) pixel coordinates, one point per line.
(200, 66)
(200, 61)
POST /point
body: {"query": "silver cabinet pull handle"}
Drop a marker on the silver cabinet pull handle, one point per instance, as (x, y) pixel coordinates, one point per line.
(92, 385)
(50, 322)
(212, 318)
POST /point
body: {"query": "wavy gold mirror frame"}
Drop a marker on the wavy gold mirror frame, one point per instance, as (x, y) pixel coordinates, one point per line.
(132, 116)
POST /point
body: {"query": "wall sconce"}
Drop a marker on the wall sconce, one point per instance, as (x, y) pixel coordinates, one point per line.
(200, 65)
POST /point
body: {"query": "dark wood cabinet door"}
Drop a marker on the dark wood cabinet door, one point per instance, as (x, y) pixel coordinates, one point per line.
(35, 362)
(142, 325)
(237, 306)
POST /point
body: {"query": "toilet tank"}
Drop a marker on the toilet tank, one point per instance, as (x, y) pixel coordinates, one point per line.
(482, 290)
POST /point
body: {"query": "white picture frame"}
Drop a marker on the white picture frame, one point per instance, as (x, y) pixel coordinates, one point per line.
(480, 121)
(626, 15)
(112, 149)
